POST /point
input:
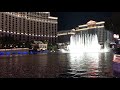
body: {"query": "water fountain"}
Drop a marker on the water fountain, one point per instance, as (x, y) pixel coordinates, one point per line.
(85, 42)
(86, 37)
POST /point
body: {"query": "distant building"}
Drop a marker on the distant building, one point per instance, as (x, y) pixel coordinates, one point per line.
(92, 27)
(39, 45)
(98, 28)
(29, 26)
(64, 36)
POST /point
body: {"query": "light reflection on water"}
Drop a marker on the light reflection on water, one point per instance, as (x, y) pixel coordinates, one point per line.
(85, 63)
(90, 65)
(57, 65)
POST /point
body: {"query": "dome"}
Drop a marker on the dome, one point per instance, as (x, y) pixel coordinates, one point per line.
(91, 22)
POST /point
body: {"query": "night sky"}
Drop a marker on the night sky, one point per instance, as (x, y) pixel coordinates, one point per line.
(69, 20)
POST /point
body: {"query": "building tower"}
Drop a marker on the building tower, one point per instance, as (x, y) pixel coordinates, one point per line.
(29, 26)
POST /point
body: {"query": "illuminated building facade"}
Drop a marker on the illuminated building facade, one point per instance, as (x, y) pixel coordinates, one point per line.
(29, 26)
(64, 36)
(93, 27)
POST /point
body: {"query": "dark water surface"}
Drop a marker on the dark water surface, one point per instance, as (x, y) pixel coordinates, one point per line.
(56, 65)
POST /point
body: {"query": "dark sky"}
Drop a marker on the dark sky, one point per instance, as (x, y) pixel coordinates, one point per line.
(115, 19)
(69, 20)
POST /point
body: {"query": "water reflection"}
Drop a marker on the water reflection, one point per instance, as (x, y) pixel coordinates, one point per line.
(90, 64)
(58, 65)
(116, 67)
(84, 63)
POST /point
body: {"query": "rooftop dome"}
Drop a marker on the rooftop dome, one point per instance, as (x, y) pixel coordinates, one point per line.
(91, 22)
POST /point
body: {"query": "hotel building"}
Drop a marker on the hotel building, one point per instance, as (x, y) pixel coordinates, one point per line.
(29, 26)
(92, 27)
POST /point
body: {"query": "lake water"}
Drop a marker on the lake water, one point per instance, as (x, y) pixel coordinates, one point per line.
(58, 65)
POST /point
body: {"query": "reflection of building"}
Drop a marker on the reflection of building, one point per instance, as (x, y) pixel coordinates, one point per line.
(116, 68)
(29, 26)
(93, 27)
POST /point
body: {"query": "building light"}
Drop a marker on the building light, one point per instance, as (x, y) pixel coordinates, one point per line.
(116, 36)
(82, 26)
(52, 17)
(73, 29)
(82, 29)
(100, 26)
(23, 15)
(102, 22)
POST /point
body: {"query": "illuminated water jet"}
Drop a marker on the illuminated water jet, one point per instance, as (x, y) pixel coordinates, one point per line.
(90, 37)
(85, 42)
